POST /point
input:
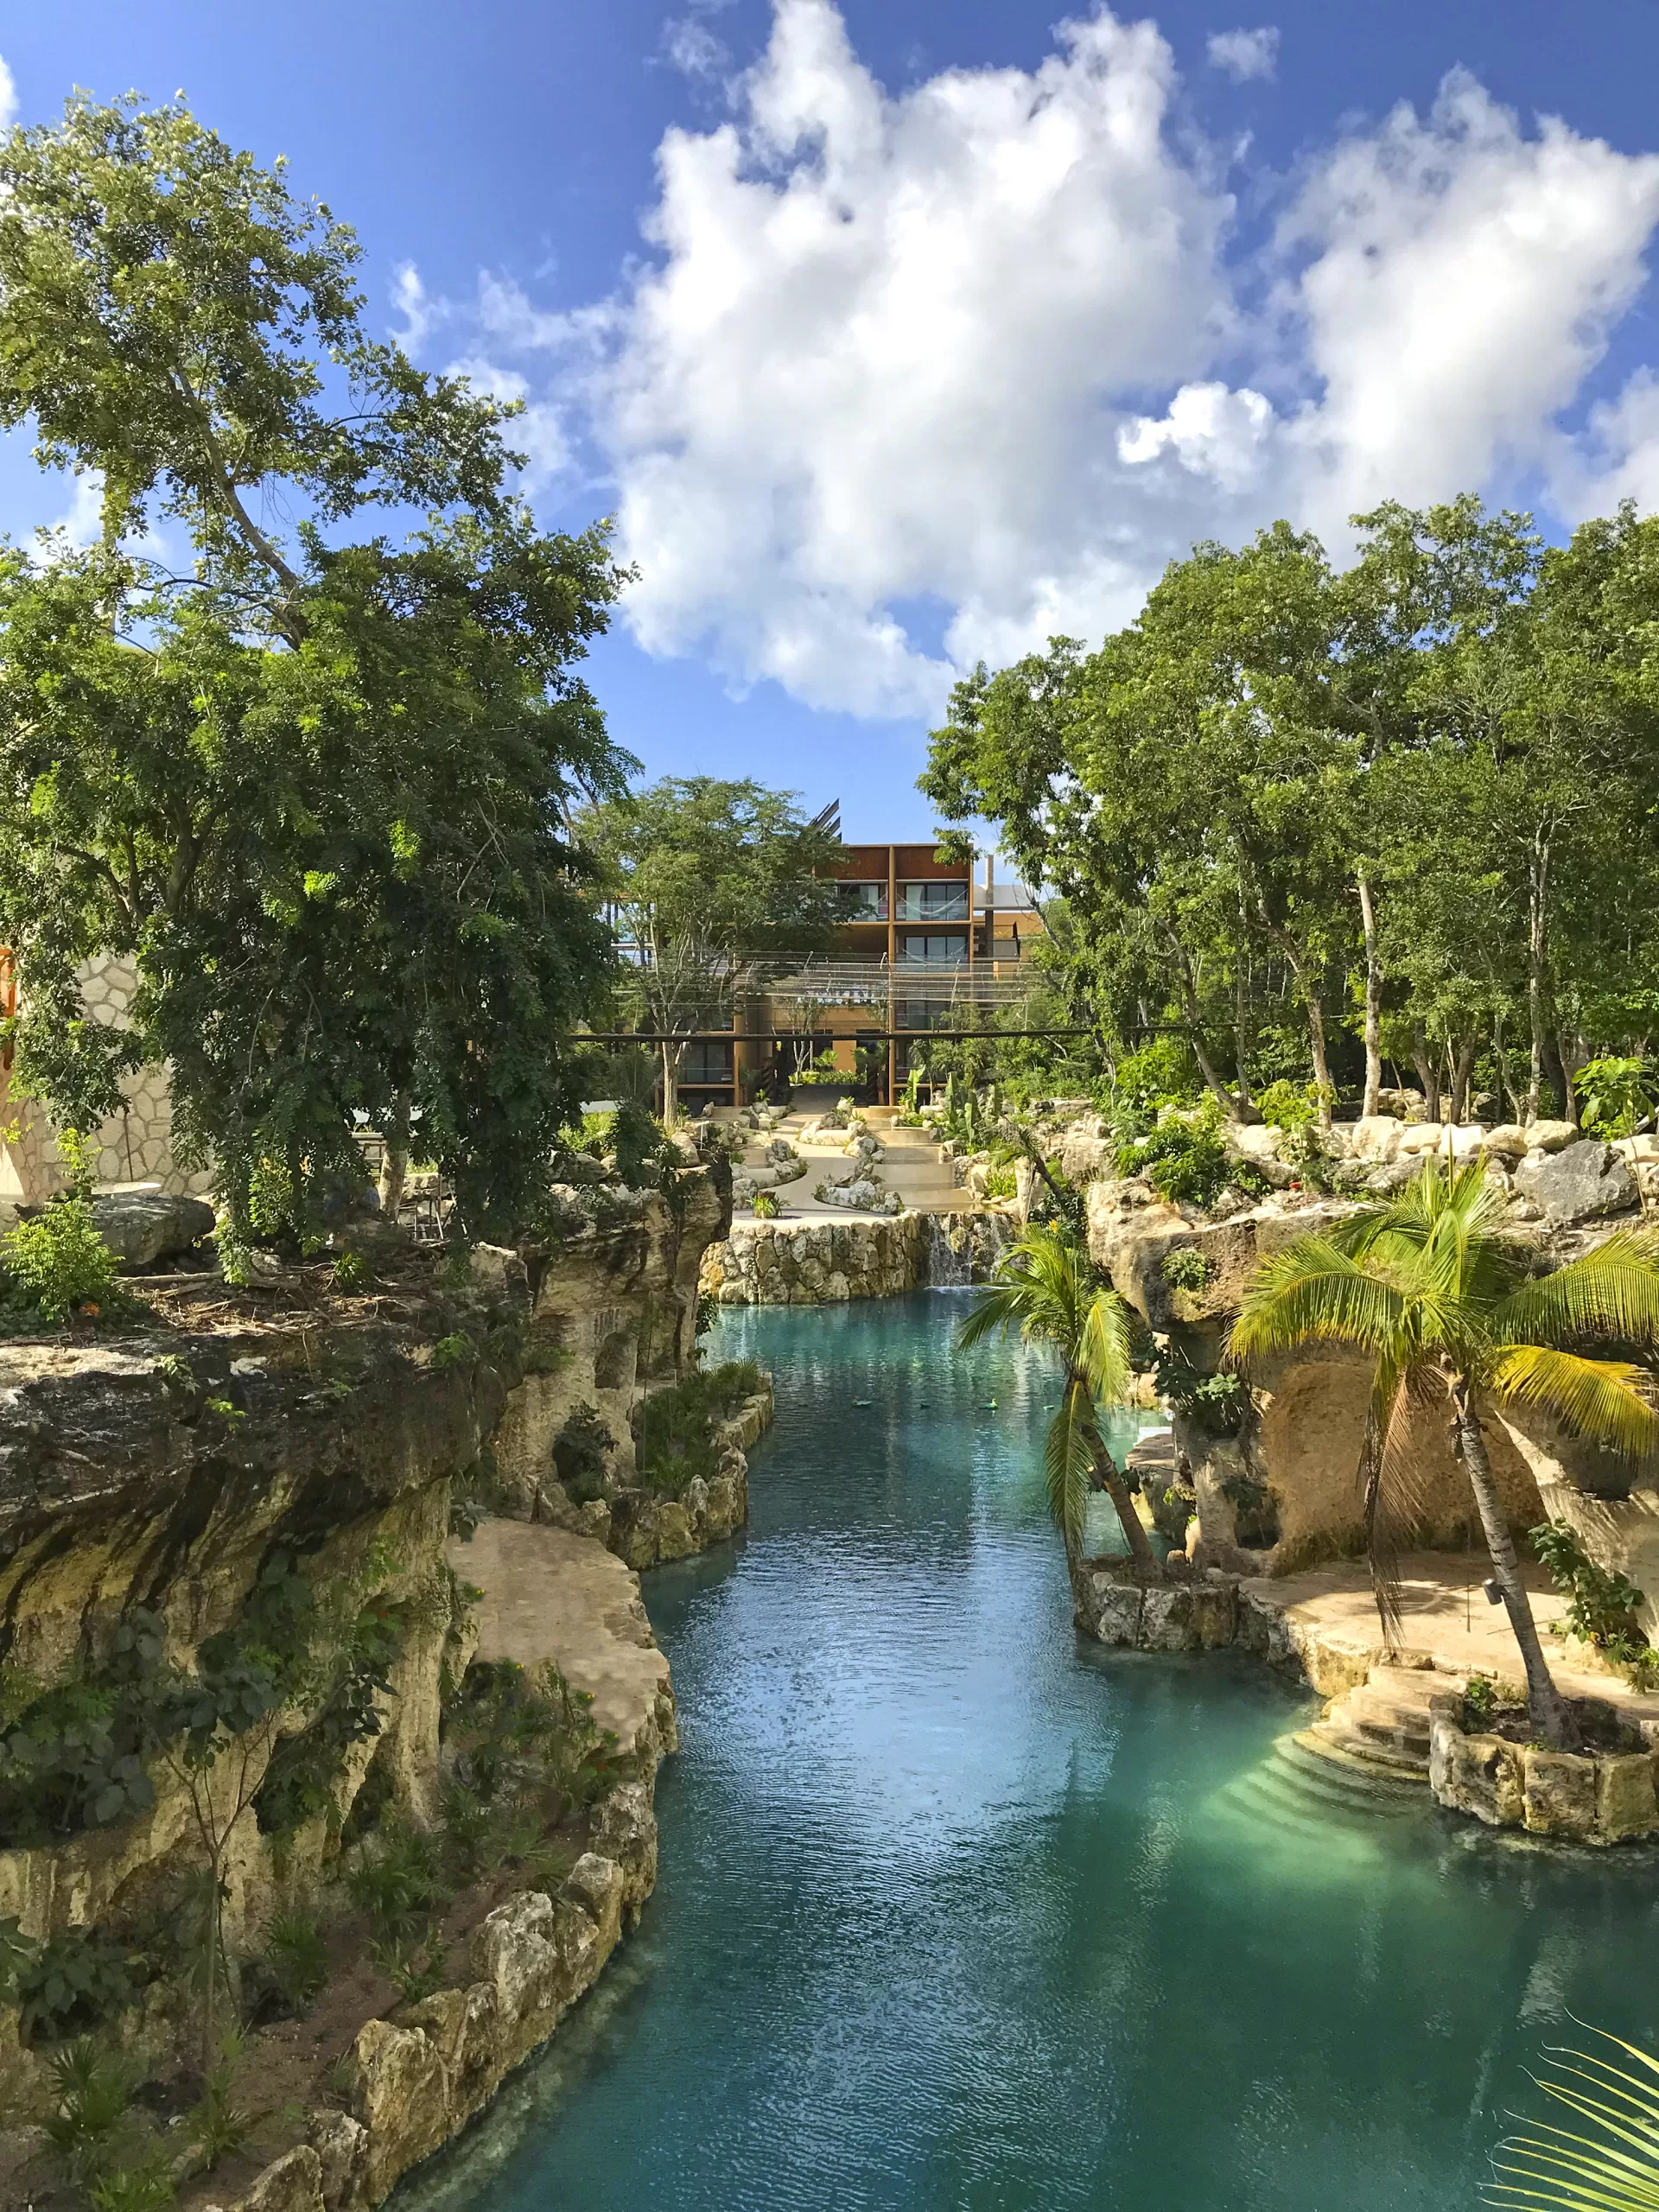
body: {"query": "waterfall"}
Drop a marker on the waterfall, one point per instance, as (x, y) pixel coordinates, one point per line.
(964, 1248)
(944, 1267)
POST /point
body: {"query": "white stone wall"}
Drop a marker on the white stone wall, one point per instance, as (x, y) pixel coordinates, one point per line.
(134, 1145)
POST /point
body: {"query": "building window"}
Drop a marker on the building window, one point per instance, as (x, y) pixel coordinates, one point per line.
(862, 902)
(945, 949)
(941, 899)
(706, 1062)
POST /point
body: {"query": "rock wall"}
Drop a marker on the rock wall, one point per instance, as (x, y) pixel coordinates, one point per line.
(134, 1145)
(819, 1263)
(166, 1468)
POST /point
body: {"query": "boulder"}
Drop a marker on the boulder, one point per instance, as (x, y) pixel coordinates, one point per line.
(1376, 1136)
(1551, 1137)
(140, 1227)
(1508, 1140)
(1585, 1181)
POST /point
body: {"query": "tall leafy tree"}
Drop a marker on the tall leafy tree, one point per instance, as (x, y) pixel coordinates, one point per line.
(317, 782)
(715, 885)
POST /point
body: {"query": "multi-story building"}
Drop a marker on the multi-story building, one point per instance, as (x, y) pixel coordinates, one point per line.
(921, 943)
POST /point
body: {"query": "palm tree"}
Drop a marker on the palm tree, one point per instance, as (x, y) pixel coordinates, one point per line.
(1442, 1302)
(1610, 2161)
(1045, 1286)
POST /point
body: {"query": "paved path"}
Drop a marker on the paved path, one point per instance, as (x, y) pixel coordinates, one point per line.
(549, 1595)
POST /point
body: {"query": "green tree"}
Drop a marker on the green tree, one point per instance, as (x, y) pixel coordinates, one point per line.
(715, 886)
(1427, 1288)
(1045, 1288)
(318, 786)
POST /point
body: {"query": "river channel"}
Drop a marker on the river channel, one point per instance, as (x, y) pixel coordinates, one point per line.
(956, 1912)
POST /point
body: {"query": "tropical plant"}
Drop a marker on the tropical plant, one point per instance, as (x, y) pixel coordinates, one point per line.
(1616, 1094)
(1430, 1290)
(1608, 2161)
(1045, 1287)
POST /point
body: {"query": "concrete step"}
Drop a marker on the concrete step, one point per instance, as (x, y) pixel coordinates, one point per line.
(1334, 1737)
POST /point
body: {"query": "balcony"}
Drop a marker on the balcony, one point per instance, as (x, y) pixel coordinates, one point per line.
(933, 901)
(862, 902)
(948, 949)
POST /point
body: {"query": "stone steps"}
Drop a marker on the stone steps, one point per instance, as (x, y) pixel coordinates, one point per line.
(1382, 1725)
(1303, 1796)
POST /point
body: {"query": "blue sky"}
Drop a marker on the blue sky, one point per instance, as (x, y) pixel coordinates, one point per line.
(900, 333)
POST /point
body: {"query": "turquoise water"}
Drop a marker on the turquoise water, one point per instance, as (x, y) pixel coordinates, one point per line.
(957, 1913)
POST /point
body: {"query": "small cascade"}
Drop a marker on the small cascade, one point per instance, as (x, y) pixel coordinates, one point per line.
(965, 1247)
(945, 1266)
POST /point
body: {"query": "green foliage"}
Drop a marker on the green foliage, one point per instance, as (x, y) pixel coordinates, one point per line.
(348, 1677)
(764, 1205)
(92, 2098)
(398, 1879)
(1480, 1699)
(455, 1351)
(293, 1961)
(1218, 1403)
(1616, 1094)
(318, 785)
(1604, 2158)
(1184, 1159)
(1601, 1604)
(582, 1453)
(1186, 1268)
(78, 1979)
(352, 1271)
(56, 1264)
(219, 2126)
(674, 1429)
(527, 1752)
(999, 1183)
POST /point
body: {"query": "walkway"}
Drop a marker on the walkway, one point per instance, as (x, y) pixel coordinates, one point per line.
(549, 1594)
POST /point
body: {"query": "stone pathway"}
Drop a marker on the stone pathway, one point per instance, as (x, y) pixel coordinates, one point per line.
(551, 1594)
(1378, 1717)
(912, 1167)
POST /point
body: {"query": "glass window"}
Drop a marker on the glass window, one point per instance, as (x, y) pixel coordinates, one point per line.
(706, 1062)
(942, 950)
(941, 899)
(862, 902)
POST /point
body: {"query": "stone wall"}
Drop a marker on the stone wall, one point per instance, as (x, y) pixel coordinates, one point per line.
(134, 1145)
(819, 1262)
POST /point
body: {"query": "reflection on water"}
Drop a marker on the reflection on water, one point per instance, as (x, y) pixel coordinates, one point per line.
(956, 1912)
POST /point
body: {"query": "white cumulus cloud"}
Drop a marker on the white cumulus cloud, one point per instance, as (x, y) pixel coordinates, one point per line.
(1244, 54)
(911, 377)
(8, 96)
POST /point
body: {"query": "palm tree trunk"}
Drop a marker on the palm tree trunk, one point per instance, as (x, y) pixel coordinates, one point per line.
(1108, 1478)
(1373, 999)
(1551, 1715)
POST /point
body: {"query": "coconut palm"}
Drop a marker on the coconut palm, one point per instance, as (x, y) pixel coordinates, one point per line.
(1609, 2161)
(1429, 1288)
(1045, 1288)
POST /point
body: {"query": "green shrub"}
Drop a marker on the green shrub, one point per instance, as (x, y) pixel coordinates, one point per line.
(999, 1183)
(1614, 1095)
(1184, 1161)
(1480, 1699)
(765, 1207)
(1600, 1605)
(456, 1351)
(351, 1271)
(78, 1979)
(581, 1453)
(295, 1960)
(1185, 1269)
(674, 1429)
(399, 1880)
(56, 1264)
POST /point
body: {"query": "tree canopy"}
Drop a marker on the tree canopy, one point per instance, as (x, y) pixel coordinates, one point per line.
(1303, 816)
(317, 781)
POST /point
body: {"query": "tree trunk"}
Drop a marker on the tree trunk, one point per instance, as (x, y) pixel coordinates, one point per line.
(1550, 1714)
(1462, 1070)
(394, 1159)
(1570, 1058)
(1423, 1060)
(1537, 945)
(671, 1084)
(1108, 1478)
(1373, 1000)
(1308, 983)
(1238, 1105)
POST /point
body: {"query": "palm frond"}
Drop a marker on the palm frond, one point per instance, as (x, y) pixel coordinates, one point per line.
(1002, 1306)
(1314, 1291)
(1395, 1493)
(1104, 1349)
(1067, 1466)
(1608, 1401)
(1615, 2169)
(1611, 1292)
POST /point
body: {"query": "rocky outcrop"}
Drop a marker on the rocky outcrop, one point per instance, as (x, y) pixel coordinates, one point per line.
(1597, 1797)
(140, 1227)
(818, 1262)
(1584, 1181)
